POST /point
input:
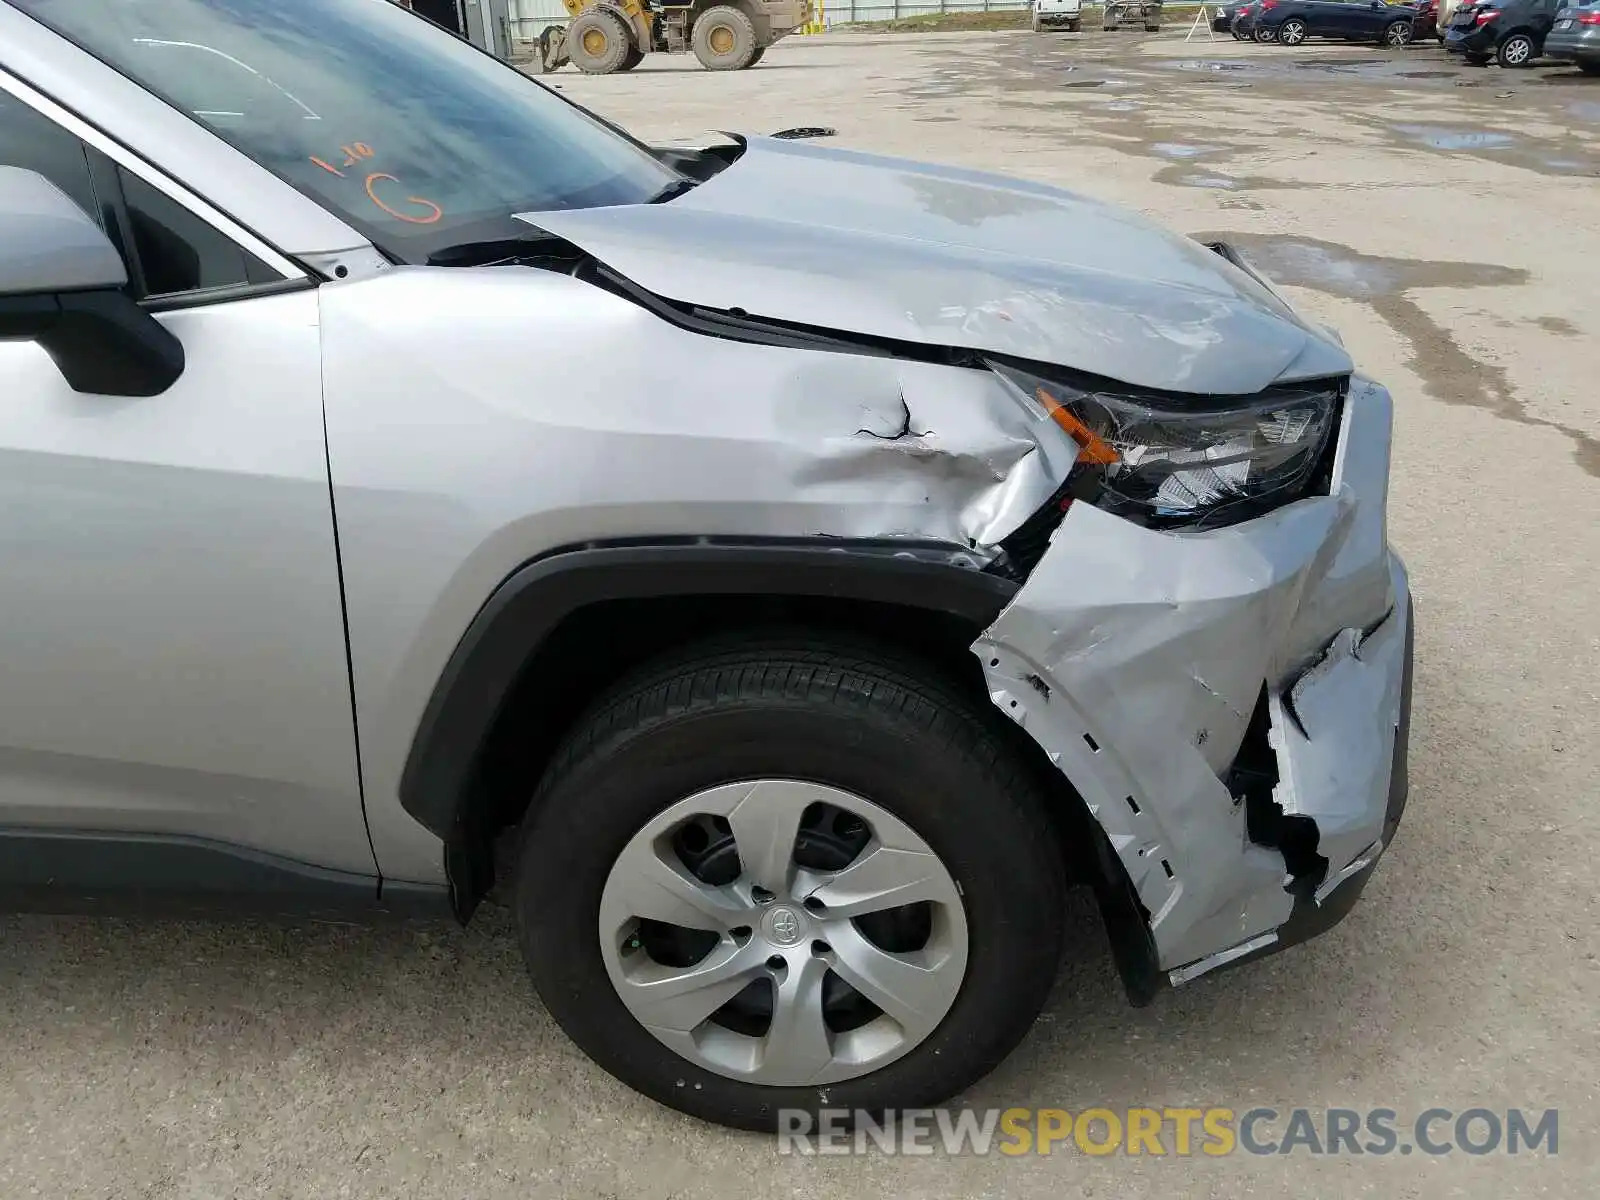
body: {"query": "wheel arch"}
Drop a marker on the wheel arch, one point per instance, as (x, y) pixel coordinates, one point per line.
(562, 627)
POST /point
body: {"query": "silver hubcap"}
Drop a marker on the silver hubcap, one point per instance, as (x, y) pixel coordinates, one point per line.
(783, 933)
(1517, 51)
(1292, 34)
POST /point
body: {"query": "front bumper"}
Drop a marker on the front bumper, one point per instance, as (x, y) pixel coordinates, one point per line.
(1149, 665)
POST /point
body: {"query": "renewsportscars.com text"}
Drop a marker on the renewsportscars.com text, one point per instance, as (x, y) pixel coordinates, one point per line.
(1213, 1132)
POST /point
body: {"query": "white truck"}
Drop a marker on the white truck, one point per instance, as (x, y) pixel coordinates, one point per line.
(1055, 14)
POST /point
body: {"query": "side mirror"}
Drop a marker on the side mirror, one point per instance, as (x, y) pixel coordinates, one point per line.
(62, 285)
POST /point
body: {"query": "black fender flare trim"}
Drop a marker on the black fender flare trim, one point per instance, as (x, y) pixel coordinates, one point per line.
(530, 603)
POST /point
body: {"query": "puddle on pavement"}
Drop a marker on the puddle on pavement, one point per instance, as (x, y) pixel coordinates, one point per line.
(1199, 180)
(1182, 149)
(1211, 64)
(1442, 137)
(1301, 262)
(1558, 325)
(1448, 372)
(1122, 106)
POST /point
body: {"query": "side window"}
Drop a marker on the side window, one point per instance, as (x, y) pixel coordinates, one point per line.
(169, 251)
(31, 141)
(178, 252)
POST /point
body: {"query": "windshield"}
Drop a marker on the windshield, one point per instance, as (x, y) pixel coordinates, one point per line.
(414, 137)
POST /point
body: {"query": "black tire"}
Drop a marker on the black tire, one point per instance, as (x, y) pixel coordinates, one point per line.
(1589, 68)
(756, 57)
(1396, 35)
(1074, 26)
(598, 42)
(1518, 50)
(1292, 32)
(789, 706)
(723, 39)
(632, 59)
(1266, 35)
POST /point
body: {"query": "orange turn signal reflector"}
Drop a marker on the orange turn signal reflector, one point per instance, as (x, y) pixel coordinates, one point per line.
(1092, 448)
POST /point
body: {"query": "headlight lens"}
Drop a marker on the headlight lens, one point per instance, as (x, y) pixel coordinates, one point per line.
(1151, 459)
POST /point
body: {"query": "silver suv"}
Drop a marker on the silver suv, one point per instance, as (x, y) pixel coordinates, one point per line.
(783, 571)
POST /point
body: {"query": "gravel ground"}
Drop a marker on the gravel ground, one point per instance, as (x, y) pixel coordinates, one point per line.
(1447, 221)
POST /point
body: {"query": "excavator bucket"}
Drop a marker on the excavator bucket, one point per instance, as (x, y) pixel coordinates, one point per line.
(553, 48)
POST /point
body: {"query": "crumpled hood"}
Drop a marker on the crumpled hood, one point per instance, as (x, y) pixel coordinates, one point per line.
(937, 255)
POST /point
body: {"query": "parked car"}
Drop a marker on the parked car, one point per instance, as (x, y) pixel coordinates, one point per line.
(1575, 37)
(1291, 22)
(1057, 14)
(1426, 22)
(792, 608)
(1222, 17)
(1512, 32)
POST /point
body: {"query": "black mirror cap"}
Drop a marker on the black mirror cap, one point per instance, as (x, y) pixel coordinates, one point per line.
(102, 342)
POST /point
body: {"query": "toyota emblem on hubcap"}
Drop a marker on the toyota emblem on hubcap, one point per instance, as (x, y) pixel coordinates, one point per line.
(784, 926)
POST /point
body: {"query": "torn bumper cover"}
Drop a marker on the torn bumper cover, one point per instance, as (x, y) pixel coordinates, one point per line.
(1231, 705)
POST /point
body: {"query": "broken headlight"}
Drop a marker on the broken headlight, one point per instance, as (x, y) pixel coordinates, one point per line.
(1164, 460)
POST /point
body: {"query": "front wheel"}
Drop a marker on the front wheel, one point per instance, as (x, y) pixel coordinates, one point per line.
(1516, 51)
(789, 874)
(1266, 35)
(723, 39)
(1397, 35)
(1292, 32)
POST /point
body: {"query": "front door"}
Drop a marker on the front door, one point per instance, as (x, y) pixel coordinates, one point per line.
(172, 651)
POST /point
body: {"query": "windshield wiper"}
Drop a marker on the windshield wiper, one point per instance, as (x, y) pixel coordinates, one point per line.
(488, 251)
(673, 190)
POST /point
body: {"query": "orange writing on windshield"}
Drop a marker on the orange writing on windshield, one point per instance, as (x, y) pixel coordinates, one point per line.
(353, 153)
(422, 211)
(432, 212)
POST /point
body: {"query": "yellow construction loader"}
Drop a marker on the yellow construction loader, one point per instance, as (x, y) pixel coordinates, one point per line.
(614, 35)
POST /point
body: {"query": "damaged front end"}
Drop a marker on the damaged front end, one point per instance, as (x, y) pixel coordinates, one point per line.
(1227, 688)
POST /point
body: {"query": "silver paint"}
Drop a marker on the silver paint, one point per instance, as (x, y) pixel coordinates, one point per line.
(48, 243)
(179, 550)
(1155, 646)
(174, 657)
(822, 236)
(478, 418)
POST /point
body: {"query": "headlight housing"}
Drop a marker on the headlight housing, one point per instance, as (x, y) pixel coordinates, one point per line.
(1166, 461)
